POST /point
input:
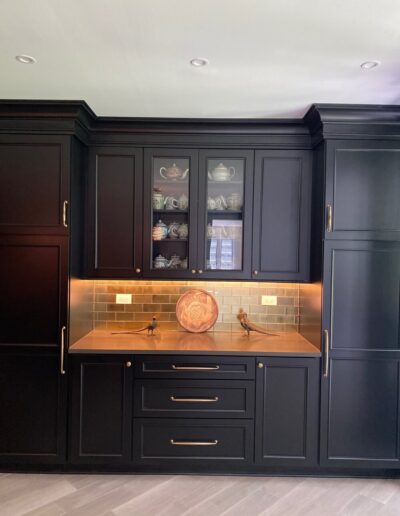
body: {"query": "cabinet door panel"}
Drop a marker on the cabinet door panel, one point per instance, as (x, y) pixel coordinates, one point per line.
(34, 183)
(33, 409)
(170, 213)
(281, 221)
(225, 213)
(360, 415)
(34, 282)
(101, 410)
(363, 188)
(362, 295)
(115, 217)
(287, 411)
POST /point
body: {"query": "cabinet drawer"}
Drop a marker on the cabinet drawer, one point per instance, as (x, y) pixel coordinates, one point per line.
(232, 368)
(194, 398)
(196, 439)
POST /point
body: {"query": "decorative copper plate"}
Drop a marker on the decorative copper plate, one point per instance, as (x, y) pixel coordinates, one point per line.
(196, 310)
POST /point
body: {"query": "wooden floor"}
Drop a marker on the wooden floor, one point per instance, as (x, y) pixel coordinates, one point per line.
(140, 495)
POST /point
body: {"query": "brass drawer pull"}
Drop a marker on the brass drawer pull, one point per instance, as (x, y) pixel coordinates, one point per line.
(326, 357)
(194, 443)
(195, 368)
(63, 330)
(194, 400)
(329, 218)
(65, 216)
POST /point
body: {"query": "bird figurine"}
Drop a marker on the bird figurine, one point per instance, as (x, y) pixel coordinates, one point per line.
(149, 327)
(249, 326)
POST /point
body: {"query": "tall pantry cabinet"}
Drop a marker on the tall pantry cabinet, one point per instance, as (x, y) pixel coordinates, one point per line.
(38, 173)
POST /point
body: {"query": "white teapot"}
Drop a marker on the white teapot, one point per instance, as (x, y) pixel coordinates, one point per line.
(222, 173)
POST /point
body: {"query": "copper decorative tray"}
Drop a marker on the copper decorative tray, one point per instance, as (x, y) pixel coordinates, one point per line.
(196, 310)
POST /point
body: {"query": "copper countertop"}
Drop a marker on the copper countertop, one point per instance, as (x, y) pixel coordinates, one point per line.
(182, 342)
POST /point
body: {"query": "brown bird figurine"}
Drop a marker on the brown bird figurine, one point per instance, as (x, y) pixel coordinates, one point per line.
(150, 328)
(249, 326)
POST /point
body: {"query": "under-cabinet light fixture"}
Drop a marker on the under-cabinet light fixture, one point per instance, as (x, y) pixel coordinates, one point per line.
(24, 59)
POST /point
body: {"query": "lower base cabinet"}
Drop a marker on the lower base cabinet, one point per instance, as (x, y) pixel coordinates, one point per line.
(287, 411)
(32, 408)
(155, 415)
(101, 410)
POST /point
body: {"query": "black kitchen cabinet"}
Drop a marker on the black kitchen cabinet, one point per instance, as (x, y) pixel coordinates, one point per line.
(225, 213)
(287, 398)
(114, 213)
(282, 215)
(360, 384)
(362, 190)
(101, 409)
(34, 184)
(32, 407)
(34, 290)
(170, 213)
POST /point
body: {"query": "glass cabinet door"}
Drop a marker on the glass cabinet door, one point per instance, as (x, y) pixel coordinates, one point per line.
(169, 187)
(225, 199)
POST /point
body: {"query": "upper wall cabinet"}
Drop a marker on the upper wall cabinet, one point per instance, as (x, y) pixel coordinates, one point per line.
(282, 215)
(363, 190)
(114, 216)
(34, 184)
(225, 213)
(170, 213)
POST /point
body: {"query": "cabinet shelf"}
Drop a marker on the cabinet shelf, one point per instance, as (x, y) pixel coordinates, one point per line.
(174, 212)
(171, 240)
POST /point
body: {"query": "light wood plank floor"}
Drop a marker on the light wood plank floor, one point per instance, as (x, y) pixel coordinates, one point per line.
(145, 495)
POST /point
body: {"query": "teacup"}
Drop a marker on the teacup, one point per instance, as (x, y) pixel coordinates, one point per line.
(220, 203)
(234, 202)
(211, 203)
(158, 200)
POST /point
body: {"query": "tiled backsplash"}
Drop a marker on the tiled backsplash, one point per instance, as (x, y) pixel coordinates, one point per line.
(159, 298)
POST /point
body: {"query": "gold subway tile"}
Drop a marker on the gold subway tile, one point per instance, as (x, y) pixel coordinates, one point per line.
(115, 308)
(104, 298)
(151, 307)
(285, 301)
(163, 316)
(100, 307)
(124, 316)
(116, 289)
(291, 310)
(100, 289)
(105, 316)
(143, 298)
(160, 298)
(276, 310)
(134, 308)
(231, 300)
(257, 309)
(168, 307)
(229, 318)
(234, 309)
(173, 298)
(100, 325)
(275, 291)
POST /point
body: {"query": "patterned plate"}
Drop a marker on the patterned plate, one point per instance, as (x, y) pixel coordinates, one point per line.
(196, 310)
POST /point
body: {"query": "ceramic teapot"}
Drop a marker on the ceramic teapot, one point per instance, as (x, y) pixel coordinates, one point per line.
(175, 261)
(183, 202)
(173, 230)
(173, 173)
(160, 231)
(160, 262)
(158, 200)
(183, 230)
(222, 173)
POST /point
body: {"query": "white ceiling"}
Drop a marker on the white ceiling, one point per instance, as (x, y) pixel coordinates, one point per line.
(268, 58)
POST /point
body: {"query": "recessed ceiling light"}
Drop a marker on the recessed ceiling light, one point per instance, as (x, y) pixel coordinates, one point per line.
(24, 59)
(368, 65)
(199, 61)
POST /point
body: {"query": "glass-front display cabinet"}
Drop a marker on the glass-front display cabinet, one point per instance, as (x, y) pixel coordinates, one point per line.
(170, 230)
(225, 212)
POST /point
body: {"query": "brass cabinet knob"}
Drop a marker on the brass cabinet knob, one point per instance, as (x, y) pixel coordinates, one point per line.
(200, 271)
(193, 271)
(138, 270)
(129, 364)
(255, 273)
(260, 365)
